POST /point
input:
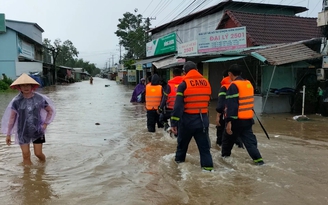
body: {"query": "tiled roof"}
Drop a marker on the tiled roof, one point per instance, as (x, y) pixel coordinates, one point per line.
(264, 29)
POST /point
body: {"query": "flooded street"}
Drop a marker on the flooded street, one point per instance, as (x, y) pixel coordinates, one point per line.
(119, 162)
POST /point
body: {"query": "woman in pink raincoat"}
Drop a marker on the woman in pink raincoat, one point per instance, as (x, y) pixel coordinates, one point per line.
(27, 117)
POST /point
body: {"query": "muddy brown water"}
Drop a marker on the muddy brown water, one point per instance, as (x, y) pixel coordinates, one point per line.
(119, 162)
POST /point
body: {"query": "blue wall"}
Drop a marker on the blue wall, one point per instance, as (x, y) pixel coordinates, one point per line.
(283, 77)
(8, 53)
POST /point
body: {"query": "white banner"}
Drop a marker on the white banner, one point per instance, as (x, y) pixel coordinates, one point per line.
(188, 48)
(221, 40)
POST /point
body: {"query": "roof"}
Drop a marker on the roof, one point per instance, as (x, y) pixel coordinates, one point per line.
(65, 67)
(152, 59)
(24, 22)
(220, 6)
(276, 54)
(286, 53)
(264, 29)
(223, 59)
(78, 69)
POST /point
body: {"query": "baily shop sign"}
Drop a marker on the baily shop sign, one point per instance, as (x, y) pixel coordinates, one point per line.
(221, 40)
(165, 44)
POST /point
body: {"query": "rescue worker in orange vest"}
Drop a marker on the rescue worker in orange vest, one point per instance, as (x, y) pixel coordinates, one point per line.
(153, 99)
(169, 95)
(221, 105)
(190, 115)
(239, 112)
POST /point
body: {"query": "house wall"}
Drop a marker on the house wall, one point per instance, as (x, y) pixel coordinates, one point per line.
(274, 104)
(284, 76)
(8, 53)
(189, 31)
(27, 67)
(216, 71)
(215, 77)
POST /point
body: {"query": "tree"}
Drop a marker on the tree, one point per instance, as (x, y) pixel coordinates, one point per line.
(53, 51)
(65, 54)
(132, 33)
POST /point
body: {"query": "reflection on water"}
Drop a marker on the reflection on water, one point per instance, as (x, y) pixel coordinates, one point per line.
(35, 188)
(99, 152)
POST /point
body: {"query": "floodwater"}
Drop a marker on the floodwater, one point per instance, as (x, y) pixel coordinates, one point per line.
(119, 162)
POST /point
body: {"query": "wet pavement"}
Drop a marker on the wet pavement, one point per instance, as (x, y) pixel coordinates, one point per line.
(99, 152)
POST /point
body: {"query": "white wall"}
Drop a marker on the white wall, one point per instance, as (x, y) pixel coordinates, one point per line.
(189, 31)
(27, 67)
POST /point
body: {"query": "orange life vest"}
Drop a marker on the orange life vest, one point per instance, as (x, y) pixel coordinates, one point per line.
(225, 82)
(153, 96)
(246, 99)
(173, 83)
(197, 93)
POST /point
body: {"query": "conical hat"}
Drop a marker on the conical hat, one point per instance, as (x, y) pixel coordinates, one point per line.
(24, 79)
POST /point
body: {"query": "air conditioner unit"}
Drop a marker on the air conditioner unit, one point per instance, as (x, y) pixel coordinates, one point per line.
(321, 74)
(325, 4)
(322, 18)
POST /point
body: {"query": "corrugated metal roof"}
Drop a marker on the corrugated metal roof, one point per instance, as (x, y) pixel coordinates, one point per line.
(150, 60)
(222, 5)
(288, 53)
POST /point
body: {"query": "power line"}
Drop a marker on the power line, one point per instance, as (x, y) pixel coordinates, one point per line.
(194, 8)
(156, 8)
(148, 6)
(315, 6)
(183, 10)
(163, 7)
(197, 6)
(173, 11)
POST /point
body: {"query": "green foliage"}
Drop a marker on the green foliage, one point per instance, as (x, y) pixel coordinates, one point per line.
(7, 80)
(3, 85)
(65, 54)
(128, 63)
(132, 31)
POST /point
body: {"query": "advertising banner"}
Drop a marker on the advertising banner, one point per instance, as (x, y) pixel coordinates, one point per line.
(25, 49)
(188, 48)
(221, 40)
(165, 44)
(132, 75)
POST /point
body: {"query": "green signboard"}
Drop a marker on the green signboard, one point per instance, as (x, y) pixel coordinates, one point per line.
(165, 44)
(2, 23)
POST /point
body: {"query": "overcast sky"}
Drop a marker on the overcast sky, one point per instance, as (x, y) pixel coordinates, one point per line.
(90, 24)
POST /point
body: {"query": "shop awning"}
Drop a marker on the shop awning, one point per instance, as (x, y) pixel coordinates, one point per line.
(169, 62)
(223, 59)
(151, 60)
(173, 65)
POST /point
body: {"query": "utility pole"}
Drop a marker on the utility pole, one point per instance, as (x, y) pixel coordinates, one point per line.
(323, 24)
(119, 62)
(112, 60)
